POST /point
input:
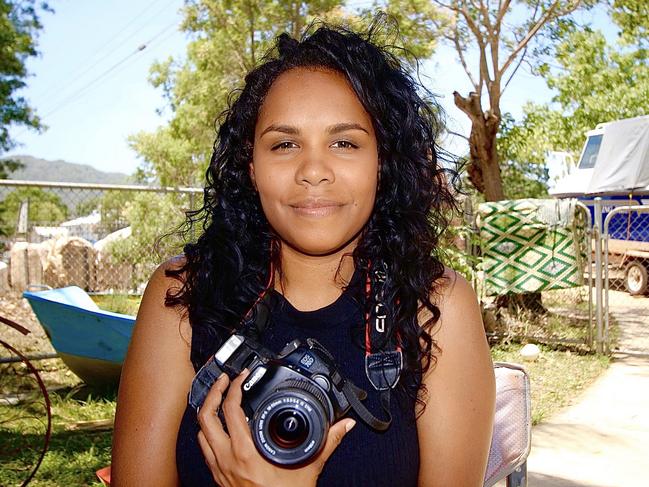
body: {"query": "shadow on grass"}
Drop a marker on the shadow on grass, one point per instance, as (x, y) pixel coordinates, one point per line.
(72, 456)
(71, 459)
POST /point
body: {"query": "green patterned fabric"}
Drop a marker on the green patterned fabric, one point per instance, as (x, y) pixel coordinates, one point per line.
(531, 245)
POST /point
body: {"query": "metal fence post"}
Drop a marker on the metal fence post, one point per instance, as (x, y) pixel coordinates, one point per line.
(597, 229)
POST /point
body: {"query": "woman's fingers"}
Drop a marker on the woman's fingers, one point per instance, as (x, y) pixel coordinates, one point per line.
(336, 434)
(235, 419)
(211, 459)
(208, 416)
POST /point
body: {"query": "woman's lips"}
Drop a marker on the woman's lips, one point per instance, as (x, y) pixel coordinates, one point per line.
(316, 208)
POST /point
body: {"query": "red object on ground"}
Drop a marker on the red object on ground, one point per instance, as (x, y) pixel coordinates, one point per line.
(104, 475)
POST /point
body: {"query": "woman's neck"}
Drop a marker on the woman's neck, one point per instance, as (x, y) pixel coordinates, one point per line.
(313, 282)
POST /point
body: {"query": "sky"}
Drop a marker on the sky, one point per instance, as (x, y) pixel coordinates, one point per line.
(90, 82)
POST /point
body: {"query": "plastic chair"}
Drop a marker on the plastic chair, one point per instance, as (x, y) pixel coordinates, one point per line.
(512, 435)
(511, 441)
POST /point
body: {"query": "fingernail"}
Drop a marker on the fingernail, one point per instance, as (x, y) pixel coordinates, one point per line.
(222, 377)
(349, 426)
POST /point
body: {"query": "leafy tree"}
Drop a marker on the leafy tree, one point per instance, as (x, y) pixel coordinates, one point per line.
(524, 174)
(45, 208)
(150, 217)
(19, 26)
(502, 34)
(633, 17)
(594, 82)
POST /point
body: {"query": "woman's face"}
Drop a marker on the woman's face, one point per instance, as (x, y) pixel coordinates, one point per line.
(315, 161)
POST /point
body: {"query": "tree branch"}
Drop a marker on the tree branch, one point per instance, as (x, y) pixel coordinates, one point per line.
(460, 52)
(547, 15)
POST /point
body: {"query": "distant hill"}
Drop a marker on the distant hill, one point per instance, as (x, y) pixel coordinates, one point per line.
(61, 171)
(42, 170)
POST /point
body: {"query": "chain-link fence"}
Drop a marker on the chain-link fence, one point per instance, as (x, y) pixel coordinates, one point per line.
(533, 270)
(101, 238)
(625, 264)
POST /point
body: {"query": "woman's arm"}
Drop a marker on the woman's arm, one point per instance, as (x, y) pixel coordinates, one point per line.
(153, 390)
(456, 426)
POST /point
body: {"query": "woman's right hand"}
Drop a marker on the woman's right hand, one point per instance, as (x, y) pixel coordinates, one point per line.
(234, 460)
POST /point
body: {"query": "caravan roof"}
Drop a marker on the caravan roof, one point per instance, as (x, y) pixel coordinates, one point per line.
(615, 159)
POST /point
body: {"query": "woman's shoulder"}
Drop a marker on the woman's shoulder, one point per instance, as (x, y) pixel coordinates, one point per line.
(453, 288)
(450, 291)
(165, 280)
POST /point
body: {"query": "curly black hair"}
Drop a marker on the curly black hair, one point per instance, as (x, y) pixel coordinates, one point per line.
(227, 268)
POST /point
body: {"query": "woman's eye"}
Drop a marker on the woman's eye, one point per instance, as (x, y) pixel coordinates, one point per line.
(283, 146)
(345, 144)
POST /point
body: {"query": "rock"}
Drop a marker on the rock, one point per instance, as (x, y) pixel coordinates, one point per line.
(4, 277)
(530, 352)
(18, 271)
(110, 274)
(71, 262)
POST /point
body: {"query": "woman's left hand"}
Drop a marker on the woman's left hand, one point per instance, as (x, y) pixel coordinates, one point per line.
(234, 460)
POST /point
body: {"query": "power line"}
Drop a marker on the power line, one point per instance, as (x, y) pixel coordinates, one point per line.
(102, 77)
(75, 77)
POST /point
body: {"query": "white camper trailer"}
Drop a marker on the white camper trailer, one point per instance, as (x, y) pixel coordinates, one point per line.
(614, 165)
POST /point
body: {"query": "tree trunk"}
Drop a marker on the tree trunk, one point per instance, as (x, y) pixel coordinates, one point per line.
(484, 165)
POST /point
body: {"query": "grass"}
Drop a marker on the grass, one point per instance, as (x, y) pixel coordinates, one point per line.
(552, 387)
(127, 304)
(73, 456)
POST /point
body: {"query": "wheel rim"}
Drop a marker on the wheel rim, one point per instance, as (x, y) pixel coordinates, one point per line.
(634, 279)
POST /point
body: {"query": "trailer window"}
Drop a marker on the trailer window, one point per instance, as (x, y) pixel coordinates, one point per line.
(590, 153)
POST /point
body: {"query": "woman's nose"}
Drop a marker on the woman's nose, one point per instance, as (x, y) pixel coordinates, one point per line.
(313, 169)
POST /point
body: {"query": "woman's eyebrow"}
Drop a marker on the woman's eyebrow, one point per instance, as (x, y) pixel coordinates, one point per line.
(342, 127)
(332, 129)
(287, 129)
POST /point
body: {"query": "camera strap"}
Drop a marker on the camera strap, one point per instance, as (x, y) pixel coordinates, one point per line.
(383, 356)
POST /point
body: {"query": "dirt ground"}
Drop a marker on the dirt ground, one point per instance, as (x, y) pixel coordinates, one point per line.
(633, 312)
(16, 308)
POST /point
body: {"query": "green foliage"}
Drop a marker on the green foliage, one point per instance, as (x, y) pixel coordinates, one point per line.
(8, 166)
(150, 215)
(594, 82)
(633, 17)
(19, 25)
(44, 207)
(522, 168)
(118, 303)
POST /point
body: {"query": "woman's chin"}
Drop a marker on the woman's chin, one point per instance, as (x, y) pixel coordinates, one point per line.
(321, 247)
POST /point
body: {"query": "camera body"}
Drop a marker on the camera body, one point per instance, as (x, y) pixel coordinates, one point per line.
(289, 399)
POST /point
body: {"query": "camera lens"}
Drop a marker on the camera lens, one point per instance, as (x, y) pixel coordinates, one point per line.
(290, 425)
(288, 429)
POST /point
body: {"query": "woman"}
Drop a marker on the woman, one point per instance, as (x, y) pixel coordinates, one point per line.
(325, 163)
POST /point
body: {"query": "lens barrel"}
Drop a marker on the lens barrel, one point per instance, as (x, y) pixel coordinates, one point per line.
(290, 426)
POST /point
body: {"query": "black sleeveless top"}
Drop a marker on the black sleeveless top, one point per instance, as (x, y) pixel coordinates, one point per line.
(364, 457)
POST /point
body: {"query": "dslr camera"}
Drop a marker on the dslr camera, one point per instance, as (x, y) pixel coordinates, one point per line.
(290, 400)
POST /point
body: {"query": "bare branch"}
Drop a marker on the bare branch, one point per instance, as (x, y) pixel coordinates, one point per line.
(460, 52)
(446, 5)
(450, 132)
(484, 10)
(547, 15)
(518, 65)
